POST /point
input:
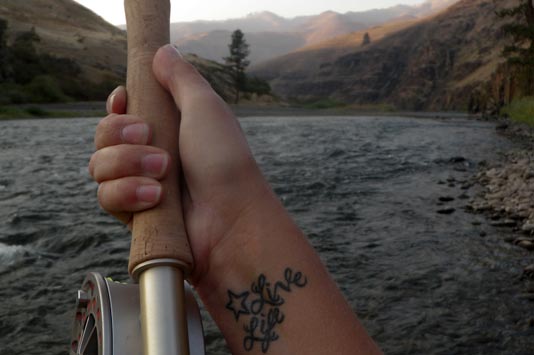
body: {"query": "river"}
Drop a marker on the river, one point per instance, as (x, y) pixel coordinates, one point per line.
(365, 190)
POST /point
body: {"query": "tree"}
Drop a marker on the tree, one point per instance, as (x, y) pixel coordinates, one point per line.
(520, 53)
(24, 59)
(4, 65)
(366, 39)
(237, 61)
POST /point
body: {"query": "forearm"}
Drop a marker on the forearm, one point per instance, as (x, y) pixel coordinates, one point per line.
(269, 293)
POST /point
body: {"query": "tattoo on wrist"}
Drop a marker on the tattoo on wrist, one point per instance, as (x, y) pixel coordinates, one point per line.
(261, 307)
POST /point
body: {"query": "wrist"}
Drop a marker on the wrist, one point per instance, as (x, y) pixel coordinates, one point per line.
(241, 251)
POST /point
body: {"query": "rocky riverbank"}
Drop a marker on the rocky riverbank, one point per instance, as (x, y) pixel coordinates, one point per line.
(507, 189)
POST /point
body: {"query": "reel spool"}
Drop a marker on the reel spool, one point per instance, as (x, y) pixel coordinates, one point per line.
(108, 319)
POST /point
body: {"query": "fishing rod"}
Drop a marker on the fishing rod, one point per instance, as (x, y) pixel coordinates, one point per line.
(159, 315)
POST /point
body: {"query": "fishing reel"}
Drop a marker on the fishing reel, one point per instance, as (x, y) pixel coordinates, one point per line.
(108, 319)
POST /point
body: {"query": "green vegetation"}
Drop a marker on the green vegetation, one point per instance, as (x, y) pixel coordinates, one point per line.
(323, 104)
(257, 85)
(521, 110)
(332, 104)
(27, 76)
(17, 112)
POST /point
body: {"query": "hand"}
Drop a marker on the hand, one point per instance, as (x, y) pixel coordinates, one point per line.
(238, 230)
(222, 181)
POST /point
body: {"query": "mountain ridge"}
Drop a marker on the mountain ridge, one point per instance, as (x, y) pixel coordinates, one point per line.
(437, 63)
(263, 29)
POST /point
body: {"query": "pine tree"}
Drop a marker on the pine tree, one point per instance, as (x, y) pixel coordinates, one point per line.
(366, 39)
(520, 53)
(239, 51)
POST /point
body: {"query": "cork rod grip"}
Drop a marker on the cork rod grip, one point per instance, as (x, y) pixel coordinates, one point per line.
(158, 233)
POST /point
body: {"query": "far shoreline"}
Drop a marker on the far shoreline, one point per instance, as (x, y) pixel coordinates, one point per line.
(98, 109)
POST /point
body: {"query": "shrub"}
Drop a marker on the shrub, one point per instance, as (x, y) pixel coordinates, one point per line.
(521, 110)
(44, 88)
(258, 86)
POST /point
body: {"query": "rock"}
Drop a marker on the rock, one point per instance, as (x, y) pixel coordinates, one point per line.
(509, 239)
(457, 159)
(476, 223)
(516, 241)
(463, 197)
(448, 210)
(446, 199)
(526, 244)
(504, 223)
(483, 234)
(529, 271)
(528, 227)
(501, 126)
(527, 296)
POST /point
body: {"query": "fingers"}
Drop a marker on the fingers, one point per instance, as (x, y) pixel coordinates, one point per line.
(116, 102)
(121, 129)
(122, 197)
(119, 161)
(126, 168)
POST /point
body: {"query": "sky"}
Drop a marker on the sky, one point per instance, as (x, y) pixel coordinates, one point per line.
(191, 10)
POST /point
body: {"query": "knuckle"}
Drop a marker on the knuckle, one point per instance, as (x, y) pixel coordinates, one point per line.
(104, 163)
(103, 129)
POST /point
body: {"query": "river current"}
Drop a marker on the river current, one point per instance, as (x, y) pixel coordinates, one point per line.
(365, 190)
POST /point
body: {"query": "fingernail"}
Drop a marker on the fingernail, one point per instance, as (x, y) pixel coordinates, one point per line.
(149, 193)
(109, 103)
(176, 51)
(154, 165)
(135, 133)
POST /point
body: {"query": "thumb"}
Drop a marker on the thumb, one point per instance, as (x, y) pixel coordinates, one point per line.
(213, 149)
(179, 77)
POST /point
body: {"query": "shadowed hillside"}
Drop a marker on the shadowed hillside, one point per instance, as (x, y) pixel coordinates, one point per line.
(68, 30)
(432, 64)
(62, 31)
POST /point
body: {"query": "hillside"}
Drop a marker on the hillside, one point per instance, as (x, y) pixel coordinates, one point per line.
(435, 63)
(270, 35)
(70, 34)
(68, 30)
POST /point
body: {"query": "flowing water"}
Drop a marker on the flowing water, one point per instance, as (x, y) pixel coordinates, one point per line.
(365, 190)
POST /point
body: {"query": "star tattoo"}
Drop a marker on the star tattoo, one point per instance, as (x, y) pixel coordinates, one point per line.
(237, 303)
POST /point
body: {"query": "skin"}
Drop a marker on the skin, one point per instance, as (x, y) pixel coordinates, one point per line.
(237, 227)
